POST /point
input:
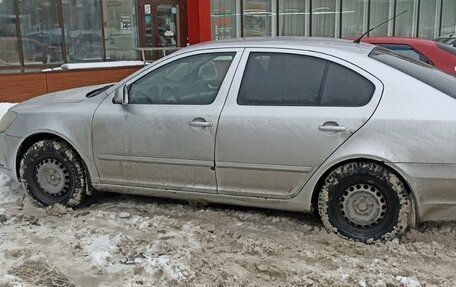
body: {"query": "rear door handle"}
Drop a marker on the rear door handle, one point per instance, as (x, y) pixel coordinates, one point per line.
(200, 123)
(330, 128)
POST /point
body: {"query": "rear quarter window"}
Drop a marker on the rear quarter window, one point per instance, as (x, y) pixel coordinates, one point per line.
(425, 73)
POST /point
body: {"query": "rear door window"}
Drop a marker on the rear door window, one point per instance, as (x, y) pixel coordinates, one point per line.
(280, 79)
(275, 79)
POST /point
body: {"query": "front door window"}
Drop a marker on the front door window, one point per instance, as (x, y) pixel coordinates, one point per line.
(193, 80)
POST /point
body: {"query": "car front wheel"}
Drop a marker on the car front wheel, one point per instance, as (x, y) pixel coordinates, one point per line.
(53, 173)
(364, 201)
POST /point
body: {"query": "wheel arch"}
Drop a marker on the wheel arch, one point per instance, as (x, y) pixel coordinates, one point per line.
(396, 171)
(33, 138)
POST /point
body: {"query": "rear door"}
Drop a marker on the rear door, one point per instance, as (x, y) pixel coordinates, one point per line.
(284, 115)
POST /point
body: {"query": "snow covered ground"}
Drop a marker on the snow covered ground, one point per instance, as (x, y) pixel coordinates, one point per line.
(117, 240)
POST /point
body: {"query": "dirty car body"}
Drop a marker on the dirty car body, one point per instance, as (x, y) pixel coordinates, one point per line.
(309, 125)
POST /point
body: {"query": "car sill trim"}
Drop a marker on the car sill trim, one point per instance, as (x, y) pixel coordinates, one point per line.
(152, 160)
(265, 167)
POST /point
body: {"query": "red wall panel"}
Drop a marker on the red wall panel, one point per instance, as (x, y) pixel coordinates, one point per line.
(199, 21)
(20, 87)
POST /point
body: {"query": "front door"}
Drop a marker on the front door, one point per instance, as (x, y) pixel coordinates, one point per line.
(162, 24)
(165, 137)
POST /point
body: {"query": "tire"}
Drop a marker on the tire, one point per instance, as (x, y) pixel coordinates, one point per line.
(53, 173)
(364, 201)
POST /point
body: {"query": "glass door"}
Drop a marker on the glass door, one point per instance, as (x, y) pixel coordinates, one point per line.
(167, 30)
(162, 26)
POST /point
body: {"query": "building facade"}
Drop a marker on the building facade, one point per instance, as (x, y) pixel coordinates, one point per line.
(43, 33)
(332, 18)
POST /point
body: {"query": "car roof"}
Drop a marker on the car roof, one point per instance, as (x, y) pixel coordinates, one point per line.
(300, 43)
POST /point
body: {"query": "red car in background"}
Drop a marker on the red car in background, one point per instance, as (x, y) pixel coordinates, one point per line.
(437, 54)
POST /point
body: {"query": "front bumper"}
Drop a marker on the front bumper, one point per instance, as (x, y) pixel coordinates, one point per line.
(8, 148)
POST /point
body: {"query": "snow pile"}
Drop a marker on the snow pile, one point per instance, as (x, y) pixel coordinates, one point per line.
(96, 65)
(408, 282)
(4, 108)
(99, 249)
(10, 190)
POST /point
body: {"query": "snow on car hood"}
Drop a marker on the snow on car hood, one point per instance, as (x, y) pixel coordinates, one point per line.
(67, 96)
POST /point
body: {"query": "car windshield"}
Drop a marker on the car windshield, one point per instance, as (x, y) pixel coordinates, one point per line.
(425, 73)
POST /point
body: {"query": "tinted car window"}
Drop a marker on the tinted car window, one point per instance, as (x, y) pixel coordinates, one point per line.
(193, 80)
(345, 88)
(406, 51)
(281, 80)
(427, 74)
(295, 80)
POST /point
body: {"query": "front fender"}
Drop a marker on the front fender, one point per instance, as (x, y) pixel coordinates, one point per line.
(84, 151)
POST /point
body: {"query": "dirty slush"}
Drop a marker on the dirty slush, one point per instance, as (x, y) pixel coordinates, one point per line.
(136, 241)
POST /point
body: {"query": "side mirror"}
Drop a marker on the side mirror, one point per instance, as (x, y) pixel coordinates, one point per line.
(125, 95)
(121, 96)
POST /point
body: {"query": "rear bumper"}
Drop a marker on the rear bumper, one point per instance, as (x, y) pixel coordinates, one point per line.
(8, 147)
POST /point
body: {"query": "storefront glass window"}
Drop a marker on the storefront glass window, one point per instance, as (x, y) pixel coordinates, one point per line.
(8, 40)
(380, 11)
(324, 18)
(225, 19)
(41, 32)
(120, 29)
(260, 18)
(448, 17)
(82, 30)
(428, 22)
(354, 18)
(406, 24)
(293, 17)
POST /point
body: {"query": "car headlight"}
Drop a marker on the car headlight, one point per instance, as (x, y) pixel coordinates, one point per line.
(7, 120)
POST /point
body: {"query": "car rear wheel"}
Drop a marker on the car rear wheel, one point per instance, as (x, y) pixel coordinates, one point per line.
(53, 173)
(364, 201)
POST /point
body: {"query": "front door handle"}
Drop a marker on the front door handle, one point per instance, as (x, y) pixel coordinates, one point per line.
(200, 123)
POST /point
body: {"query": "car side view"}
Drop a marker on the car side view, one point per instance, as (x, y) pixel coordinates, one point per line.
(353, 132)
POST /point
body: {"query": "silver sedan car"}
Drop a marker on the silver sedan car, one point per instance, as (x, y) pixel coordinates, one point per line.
(352, 132)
